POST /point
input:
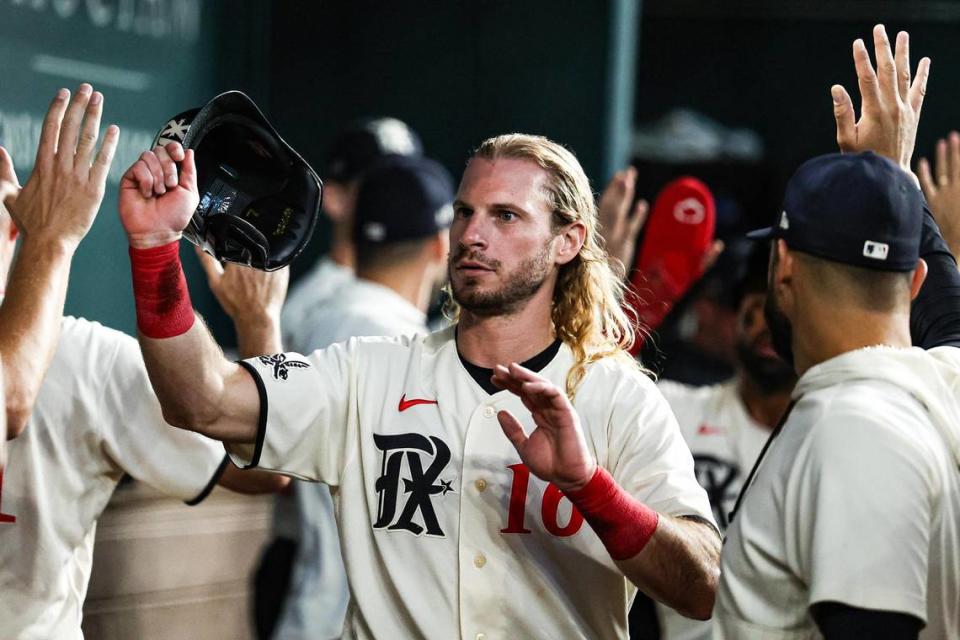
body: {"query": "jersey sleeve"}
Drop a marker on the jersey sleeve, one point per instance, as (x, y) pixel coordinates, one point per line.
(648, 455)
(307, 407)
(136, 438)
(862, 498)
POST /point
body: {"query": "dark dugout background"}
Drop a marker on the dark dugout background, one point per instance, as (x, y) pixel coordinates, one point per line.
(582, 72)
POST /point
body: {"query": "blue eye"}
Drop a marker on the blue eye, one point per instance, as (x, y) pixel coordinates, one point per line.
(462, 212)
(507, 216)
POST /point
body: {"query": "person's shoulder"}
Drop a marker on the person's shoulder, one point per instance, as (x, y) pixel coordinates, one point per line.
(679, 393)
(619, 381)
(88, 339)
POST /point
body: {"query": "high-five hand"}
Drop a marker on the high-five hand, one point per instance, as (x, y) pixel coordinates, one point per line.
(156, 203)
(556, 450)
(890, 102)
(619, 222)
(942, 189)
(61, 199)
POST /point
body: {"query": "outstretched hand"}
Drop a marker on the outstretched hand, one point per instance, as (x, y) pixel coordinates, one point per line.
(243, 292)
(556, 450)
(620, 223)
(61, 199)
(941, 186)
(156, 200)
(890, 103)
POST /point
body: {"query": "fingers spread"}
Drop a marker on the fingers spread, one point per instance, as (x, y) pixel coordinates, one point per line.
(211, 266)
(942, 168)
(50, 132)
(70, 127)
(902, 60)
(926, 179)
(886, 69)
(846, 121)
(7, 172)
(513, 430)
(101, 164)
(953, 156)
(866, 78)
(90, 132)
(919, 87)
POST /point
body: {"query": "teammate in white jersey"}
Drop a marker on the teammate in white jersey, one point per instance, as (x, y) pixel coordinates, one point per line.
(95, 418)
(400, 236)
(445, 533)
(850, 525)
(358, 146)
(725, 425)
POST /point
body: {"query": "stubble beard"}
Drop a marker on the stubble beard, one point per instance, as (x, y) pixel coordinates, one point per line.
(521, 285)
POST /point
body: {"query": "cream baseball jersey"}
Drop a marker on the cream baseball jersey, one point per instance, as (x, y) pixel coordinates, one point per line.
(725, 442)
(96, 418)
(445, 533)
(857, 500)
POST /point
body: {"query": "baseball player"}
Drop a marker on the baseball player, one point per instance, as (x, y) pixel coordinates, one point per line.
(360, 144)
(95, 417)
(355, 148)
(448, 528)
(725, 425)
(400, 237)
(850, 524)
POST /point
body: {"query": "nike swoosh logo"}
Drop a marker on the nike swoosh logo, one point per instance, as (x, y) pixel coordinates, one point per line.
(412, 402)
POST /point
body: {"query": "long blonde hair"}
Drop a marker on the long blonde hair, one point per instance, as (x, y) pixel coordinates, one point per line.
(587, 310)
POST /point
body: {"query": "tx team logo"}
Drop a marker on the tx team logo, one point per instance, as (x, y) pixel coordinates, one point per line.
(717, 477)
(406, 491)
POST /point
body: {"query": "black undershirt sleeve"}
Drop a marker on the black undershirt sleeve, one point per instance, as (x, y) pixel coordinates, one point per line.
(838, 621)
(935, 313)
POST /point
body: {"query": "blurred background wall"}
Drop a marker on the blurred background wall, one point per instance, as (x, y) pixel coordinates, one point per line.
(582, 72)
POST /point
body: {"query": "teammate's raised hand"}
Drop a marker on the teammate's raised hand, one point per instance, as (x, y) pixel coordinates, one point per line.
(253, 300)
(156, 200)
(941, 186)
(619, 221)
(64, 192)
(889, 102)
(555, 450)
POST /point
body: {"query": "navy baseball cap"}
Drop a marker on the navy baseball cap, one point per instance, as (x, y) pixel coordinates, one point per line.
(856, 208)
(365, 141)
(402, 198)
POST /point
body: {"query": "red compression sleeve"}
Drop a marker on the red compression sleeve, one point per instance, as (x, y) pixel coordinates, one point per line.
(623, 523)
(160, 291)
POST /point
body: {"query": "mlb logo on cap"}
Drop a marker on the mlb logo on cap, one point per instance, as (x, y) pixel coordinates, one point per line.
(876, 250)
(858, 209)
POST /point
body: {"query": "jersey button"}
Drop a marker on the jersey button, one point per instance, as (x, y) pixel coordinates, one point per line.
(489, 411)
(480, 561)
(481, 485)
(481, 636)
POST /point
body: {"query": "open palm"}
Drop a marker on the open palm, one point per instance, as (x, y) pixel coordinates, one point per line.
(556, 450)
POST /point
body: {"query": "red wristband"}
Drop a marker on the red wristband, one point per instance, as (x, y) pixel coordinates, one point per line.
(623, 523)
(160, 291)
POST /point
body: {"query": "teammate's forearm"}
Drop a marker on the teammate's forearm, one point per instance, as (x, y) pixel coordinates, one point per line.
(31, 316)
(680, 566)
(258, 336)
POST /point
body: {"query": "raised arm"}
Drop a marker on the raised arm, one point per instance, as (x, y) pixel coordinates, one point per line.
(674, 560)
(198, 388)
(52, 213)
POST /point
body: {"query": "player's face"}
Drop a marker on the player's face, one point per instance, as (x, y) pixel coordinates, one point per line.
(755, 353)
(503, 246)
